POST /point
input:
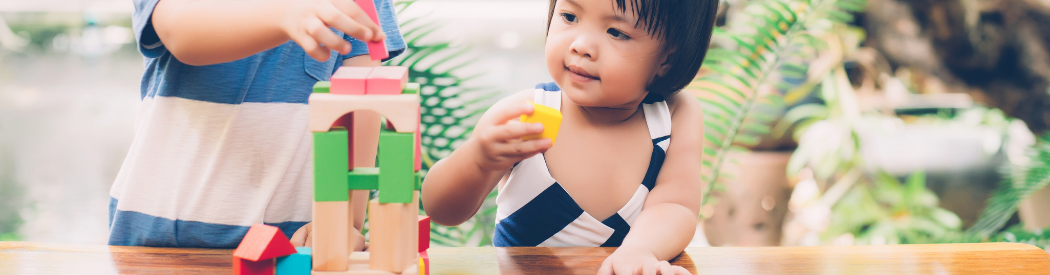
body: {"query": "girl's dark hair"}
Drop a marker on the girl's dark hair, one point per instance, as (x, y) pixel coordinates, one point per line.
(685, 27)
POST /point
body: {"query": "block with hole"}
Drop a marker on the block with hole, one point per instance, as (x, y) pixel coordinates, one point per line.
(322, 87)
(331, 161)
(295, 264)
(349, 80)
(551, 119)
(401, 110)
(387, 80)
(396, 175)
(263, 242)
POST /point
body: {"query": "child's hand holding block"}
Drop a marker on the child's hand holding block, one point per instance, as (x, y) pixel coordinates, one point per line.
(550, 117)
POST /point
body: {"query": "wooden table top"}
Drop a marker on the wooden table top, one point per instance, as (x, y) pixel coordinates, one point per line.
(986, 258)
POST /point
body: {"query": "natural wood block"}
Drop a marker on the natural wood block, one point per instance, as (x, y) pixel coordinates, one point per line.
(386, 245)
(329, 236)
(387, 80)
(401, 110)
(413, 270)
(410, 229)
(349, 80)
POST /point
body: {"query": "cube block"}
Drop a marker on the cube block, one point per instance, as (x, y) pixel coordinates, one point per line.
(263, 242)
(322, 87)
(295, 264)
(366, 178)
(411, 88)
(395, 171)
(424, 233)
(350, 80)
(249, 267)
(331, 160)
(551, 119)
(387, 80)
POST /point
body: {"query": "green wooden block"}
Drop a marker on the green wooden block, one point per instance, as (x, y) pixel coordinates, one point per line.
(396, 156)
(364, 178)
(322, 87)
(411, 88)
(331, 159)
(419, 183)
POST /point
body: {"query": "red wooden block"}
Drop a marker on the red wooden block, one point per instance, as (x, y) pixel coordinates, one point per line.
(424, 261)
(263, 242)
(424, 234)
(375, 49)
(387, 80)
(349, 80)
(247, 267)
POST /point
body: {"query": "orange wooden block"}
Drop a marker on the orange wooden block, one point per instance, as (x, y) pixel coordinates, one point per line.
(263, 242)
(350, 80)
(387, 80)
(248, 267)
(385, 242)
(401, 110)
(330, 235)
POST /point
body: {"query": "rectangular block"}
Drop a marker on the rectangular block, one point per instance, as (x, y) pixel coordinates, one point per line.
(364, 178)
(331, 159)
(419, 148)
(385, 242)
(424, 233)
(395, 171)
(322, 87)
(387, 80)
(246, 267)
(295, 264)
(419, 183)
(349, 80)
(331, 220)
(375, 49)
(411, 88)
(410, 229)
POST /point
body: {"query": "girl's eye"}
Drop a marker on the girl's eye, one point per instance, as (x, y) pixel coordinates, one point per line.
(568, 17)
(618, 34)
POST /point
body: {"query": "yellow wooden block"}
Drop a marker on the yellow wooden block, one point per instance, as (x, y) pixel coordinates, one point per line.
(550, 117)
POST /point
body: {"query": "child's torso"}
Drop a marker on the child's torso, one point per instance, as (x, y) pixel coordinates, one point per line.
(589, 188)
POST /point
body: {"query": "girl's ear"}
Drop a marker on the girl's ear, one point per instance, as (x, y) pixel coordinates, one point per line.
(665, 62)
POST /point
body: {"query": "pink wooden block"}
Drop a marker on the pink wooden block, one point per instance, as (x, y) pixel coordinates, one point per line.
(387, 80)
(350, 80)
(376, 49)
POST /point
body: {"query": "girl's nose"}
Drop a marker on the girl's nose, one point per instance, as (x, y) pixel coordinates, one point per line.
(583, 46)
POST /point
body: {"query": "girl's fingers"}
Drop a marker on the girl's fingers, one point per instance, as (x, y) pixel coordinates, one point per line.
(606, 268)
(648, 268)
(320, 32)
(523, 148)
(514, 130)
(366, 29)
(678, 270)
(665, 268)
(514, 112)
(310, 46)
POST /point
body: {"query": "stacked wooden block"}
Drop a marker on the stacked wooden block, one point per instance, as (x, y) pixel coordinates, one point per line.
(340, 166)
(257, 252)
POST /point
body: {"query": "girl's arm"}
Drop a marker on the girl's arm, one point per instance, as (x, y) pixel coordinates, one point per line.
(215, 31)
(668, 219)
(456, 186)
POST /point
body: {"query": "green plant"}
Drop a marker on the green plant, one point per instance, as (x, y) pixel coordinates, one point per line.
(447, 109)
(770, 41)
(1019, 182)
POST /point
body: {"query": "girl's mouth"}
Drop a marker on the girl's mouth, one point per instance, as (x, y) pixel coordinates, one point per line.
(579, 75)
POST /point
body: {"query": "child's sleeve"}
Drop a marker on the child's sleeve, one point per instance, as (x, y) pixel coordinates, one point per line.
(395, 43)
(148, 41)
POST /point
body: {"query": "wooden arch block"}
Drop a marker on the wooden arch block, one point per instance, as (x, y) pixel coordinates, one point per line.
(401, 110)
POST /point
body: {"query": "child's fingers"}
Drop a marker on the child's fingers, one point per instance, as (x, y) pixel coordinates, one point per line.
(356, 22)
(310, 46)
(665, 268)
(648, 268)
(678, 270)
(320, 32)
(514, 112)
(606, 268)
(513, 131)
(524, 149)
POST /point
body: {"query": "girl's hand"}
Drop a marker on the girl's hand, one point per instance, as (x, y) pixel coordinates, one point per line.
(307, 23)
(301, 237)
(500, 143)
(637, 261)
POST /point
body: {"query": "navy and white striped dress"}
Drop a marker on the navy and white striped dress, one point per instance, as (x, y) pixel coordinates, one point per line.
(534, 210)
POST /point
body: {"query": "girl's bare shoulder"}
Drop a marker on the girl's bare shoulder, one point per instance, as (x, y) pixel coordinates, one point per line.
(684, 104)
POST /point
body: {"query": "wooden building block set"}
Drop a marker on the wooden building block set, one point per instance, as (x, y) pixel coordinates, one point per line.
(345, 118)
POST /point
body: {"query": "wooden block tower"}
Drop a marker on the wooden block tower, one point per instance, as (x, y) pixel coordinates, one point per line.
(341, 166)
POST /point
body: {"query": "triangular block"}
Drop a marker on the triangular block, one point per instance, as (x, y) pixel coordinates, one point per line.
(246, 267)
(263, 242)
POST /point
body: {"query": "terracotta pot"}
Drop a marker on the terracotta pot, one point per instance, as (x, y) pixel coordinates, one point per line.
(751, 210)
